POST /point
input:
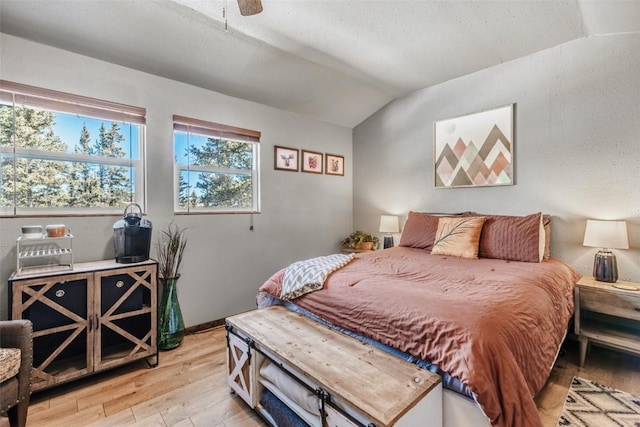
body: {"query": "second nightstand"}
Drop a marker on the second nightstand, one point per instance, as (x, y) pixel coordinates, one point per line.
(618, 323)
(355, 251)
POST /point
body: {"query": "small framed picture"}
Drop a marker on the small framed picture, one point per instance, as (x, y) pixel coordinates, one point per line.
(334, 164)
(285, 158)
(311, 161)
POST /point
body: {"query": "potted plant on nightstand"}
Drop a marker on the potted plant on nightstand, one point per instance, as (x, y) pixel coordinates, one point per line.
(171, 244)
(360, 240)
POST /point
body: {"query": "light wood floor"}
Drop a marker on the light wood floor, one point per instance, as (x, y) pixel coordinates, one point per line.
(188, 388)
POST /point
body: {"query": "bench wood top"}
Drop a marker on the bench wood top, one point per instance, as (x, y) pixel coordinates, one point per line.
(382, 386)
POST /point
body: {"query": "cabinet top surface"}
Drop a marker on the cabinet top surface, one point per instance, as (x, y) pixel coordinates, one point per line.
(381, 385)
(81, 267)
(621, 286)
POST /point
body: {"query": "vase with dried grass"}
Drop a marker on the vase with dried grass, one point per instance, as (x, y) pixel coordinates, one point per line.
(171, 245)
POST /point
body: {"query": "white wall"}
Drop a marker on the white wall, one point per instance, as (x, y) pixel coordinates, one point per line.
(577, 145)
(303, 215)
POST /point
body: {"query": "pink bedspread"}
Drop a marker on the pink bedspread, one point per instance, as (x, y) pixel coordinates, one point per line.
(495, 325)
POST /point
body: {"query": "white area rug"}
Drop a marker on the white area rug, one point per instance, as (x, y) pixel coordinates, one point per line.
(590, 404)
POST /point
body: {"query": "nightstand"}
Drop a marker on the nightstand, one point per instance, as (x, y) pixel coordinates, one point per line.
(355, 251)
(607, 314)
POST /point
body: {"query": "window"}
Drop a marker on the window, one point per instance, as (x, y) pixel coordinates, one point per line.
(68, 154)
(216, 167)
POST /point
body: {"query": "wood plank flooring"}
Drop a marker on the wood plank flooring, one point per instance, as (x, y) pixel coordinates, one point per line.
(188, 388)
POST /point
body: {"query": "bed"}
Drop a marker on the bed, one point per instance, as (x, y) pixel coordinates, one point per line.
(487, 311)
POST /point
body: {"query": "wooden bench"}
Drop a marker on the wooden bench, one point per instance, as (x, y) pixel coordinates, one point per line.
(356, 383)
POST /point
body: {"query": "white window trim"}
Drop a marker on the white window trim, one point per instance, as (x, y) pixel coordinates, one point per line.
(66, 103)
(210, 129)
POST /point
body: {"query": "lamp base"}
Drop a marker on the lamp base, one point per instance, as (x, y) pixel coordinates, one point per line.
(605, 267)
(388, 242)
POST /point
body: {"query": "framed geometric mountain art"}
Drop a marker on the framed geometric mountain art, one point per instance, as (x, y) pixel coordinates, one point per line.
(474, 150)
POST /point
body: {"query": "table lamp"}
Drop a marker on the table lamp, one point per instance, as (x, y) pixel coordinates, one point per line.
(606, 235)
(389, 224)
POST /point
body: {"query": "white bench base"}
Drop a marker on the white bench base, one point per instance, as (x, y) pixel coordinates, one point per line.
(365, 385)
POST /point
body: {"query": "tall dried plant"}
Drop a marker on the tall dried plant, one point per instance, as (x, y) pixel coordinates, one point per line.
(171, 244)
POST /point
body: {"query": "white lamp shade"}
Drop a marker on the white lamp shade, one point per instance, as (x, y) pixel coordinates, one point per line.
(606, 234)
(389, 224)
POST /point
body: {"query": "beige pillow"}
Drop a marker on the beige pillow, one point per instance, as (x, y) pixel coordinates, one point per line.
(458, 237)
(546, 222)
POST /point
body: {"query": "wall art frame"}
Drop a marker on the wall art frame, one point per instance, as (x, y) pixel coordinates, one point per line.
(286, 158)
(334, 164)
(474, 150)
(312, 161)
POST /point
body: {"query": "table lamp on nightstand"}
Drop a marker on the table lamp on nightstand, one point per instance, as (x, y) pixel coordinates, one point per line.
(606, 235)
(389, 224)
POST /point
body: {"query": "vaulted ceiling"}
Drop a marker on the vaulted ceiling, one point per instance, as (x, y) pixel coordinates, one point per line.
(334, 60)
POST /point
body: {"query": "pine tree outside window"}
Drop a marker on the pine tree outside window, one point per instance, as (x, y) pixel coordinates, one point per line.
(63, 154)
(216, 167)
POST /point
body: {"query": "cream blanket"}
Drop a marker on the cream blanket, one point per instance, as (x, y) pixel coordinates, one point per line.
(309, 275)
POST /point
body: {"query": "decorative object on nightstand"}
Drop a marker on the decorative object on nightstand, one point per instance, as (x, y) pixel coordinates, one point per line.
(359, 241)
(606, 235)
(171, 244)
(389, 224)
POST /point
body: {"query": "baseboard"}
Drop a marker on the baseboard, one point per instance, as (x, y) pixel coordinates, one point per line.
(204, 326)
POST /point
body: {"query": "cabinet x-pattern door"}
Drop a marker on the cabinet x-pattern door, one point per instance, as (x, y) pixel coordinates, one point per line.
(125, 311)
(63, 339)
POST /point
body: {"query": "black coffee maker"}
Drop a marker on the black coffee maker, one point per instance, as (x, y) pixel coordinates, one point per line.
(132, 236)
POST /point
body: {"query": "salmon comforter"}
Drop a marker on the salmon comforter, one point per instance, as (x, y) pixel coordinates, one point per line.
(495, 325)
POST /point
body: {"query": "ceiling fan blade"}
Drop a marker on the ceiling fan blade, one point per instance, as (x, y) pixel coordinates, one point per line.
(249, 7)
